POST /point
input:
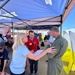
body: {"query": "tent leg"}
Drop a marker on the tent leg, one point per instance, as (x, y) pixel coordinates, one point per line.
(61, 30)
(12, 30)
(61, 27)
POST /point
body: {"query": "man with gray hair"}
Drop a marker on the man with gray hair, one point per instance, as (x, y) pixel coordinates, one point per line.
(3, 56)
(54, 60)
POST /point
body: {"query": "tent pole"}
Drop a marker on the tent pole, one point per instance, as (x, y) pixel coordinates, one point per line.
(12, 29)
(61, 30)
(68, 10)
(14, 16)
(61, 26)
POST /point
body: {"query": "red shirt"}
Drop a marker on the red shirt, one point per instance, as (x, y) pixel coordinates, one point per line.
(32, 44)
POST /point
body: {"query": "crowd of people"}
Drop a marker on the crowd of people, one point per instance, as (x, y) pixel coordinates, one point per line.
(24, 47)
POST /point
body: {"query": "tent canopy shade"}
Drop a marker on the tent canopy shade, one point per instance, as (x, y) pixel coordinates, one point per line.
(44, 22)
(32, 13)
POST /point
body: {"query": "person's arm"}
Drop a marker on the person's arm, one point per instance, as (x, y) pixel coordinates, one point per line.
(3, 73)
(58, 47)
(5, 61)
(61, 46)
(46, 46)
(49, 50)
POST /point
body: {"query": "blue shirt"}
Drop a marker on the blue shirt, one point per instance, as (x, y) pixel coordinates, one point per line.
(18, 63)
(51, 39)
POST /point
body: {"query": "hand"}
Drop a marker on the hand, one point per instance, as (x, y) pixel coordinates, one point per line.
(47, 42)
(51, 50)
(32, 51)
(2, 73)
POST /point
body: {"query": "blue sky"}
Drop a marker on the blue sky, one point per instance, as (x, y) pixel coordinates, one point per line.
(70, 20)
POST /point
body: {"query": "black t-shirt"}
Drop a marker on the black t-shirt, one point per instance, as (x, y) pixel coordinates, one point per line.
(3, 56)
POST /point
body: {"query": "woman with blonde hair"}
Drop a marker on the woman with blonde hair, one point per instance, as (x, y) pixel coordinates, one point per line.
(21, 52)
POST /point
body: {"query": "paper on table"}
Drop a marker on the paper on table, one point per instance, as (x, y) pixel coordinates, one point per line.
(38, 52)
